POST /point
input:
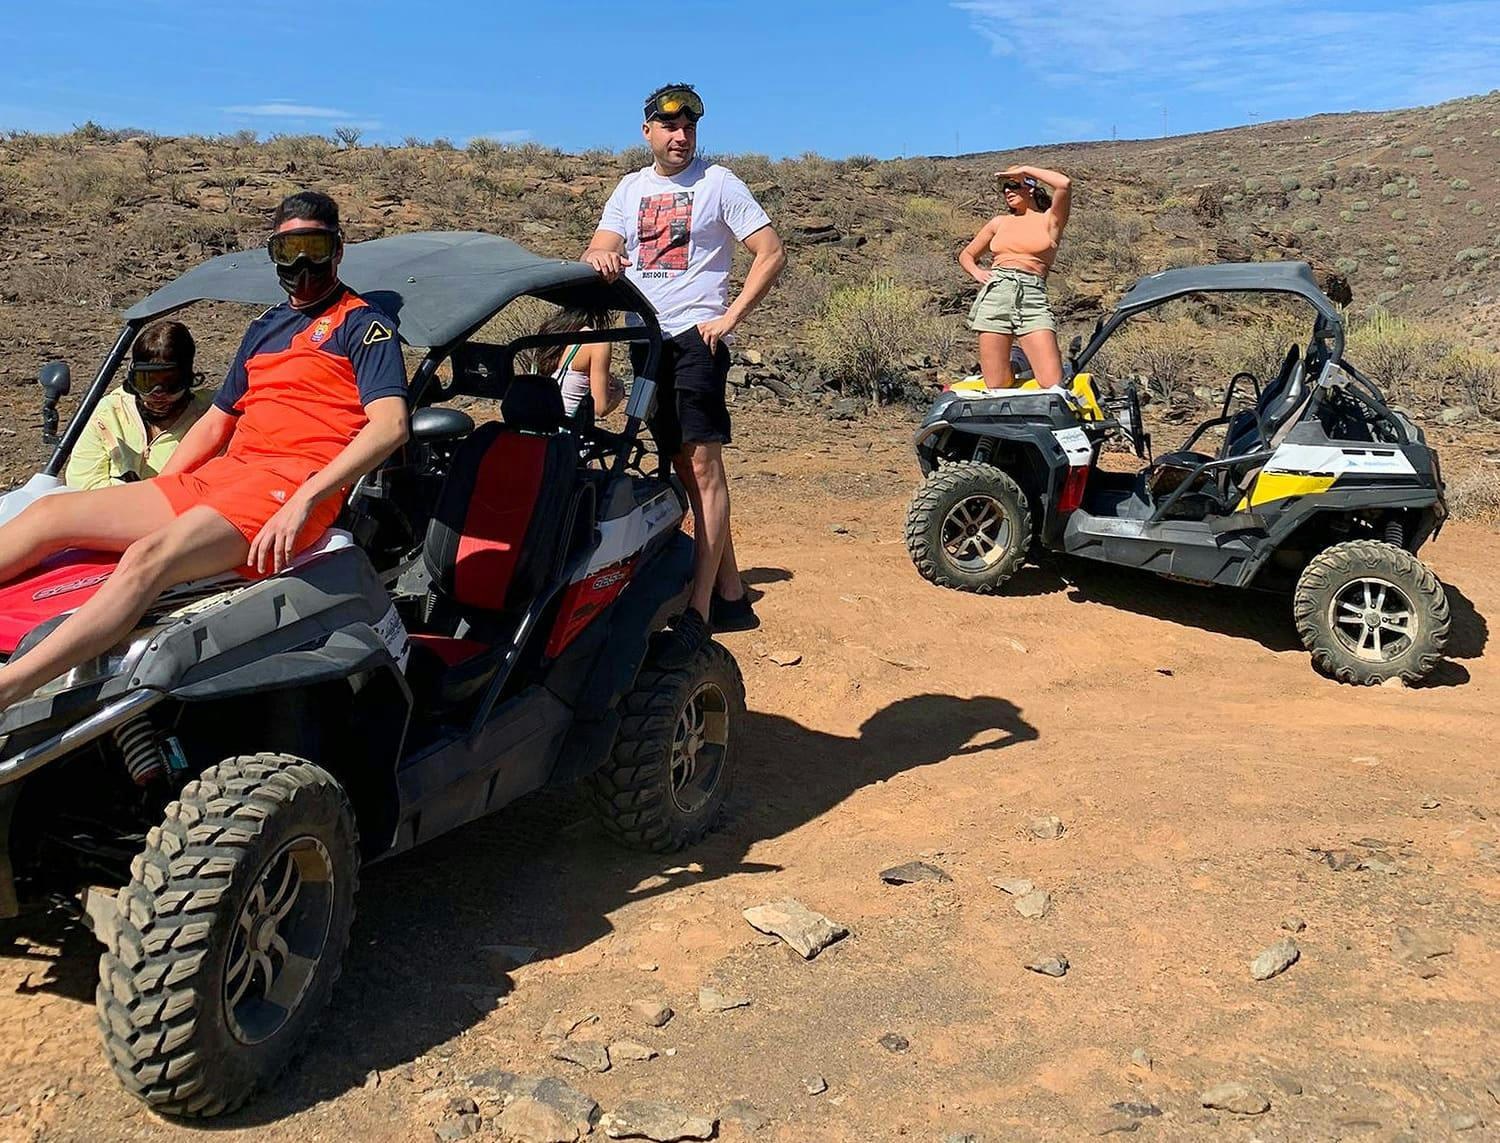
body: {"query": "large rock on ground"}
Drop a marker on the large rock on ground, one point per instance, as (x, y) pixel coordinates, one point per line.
(807, 932)
(659, 1122)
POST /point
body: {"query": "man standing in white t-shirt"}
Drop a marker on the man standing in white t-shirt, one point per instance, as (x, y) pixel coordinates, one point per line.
(671, 228)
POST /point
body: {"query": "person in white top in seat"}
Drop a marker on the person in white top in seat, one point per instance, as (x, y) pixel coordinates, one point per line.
(671, 228)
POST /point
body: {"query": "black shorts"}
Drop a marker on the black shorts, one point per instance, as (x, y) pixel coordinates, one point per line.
(691, 383)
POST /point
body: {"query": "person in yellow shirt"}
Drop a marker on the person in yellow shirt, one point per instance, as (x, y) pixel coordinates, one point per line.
(135, 429)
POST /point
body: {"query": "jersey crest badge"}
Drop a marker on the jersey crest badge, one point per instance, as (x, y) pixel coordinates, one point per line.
(321, 330)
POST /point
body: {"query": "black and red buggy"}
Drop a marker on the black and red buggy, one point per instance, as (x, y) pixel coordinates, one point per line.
(478, 626)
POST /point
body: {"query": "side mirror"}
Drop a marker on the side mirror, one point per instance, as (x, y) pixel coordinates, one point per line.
(56, 380)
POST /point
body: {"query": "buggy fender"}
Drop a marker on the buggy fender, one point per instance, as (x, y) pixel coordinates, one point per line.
(611, 658)
(1423, 502)
(1030, 452)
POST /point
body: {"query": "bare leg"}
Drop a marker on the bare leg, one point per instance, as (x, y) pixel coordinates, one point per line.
(711, 519)
(198, 543)
(1040, 347)
(994, 360)
(104, 519)
(729, 584)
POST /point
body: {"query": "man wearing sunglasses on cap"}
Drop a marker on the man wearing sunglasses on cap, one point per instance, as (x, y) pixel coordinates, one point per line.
(135, 429)
(671, 228)
(315, 399)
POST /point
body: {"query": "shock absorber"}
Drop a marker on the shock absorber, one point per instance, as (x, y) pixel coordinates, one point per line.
(144, 758)
(1394, 532)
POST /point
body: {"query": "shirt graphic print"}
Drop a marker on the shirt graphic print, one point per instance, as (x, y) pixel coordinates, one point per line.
(665, 225)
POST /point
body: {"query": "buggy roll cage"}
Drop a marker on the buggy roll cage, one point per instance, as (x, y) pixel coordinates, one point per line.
(439, 287)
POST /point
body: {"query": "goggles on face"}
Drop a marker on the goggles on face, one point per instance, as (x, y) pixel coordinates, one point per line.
(316, 245)
(146, 377)
(673, 101)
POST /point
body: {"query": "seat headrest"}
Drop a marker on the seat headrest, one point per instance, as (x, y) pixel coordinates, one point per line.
(532, 403)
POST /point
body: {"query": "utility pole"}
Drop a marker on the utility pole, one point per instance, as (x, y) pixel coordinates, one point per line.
(1163, 122)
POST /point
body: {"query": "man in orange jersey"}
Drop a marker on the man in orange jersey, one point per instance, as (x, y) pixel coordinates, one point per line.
(315, 399)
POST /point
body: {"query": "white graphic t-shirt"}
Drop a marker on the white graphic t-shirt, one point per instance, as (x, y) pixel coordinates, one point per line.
(680, 232)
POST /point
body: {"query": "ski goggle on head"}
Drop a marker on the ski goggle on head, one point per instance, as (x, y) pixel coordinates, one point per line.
(670, 102)
(315, 244)
(146, 377)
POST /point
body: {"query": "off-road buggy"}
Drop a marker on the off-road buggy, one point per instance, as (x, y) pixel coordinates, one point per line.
(1319, 487)
(479, 627)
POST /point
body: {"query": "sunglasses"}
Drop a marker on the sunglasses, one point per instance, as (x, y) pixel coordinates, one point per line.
(316, 245)
(675, 101)
(1008, 185)
(147, 377)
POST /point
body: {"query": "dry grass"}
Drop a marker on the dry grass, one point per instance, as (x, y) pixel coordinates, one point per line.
(1476, 495)
(865, 331)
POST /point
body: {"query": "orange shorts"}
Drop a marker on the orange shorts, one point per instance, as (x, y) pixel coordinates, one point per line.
(244, 493)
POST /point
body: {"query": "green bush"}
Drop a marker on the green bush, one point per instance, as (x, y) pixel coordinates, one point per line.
(1400, 355)
(863, 332)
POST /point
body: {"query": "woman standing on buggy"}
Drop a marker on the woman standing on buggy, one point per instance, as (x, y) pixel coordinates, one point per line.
(1012, 302)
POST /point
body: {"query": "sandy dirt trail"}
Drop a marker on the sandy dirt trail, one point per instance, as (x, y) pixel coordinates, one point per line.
(1197, 762)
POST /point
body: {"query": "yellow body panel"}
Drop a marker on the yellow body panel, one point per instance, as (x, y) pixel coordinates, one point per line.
(1082, 389)
(1271, 486)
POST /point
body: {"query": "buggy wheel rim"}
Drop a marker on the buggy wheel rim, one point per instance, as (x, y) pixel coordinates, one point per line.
(1373, 619)
(976, 533)
(700, 742)
(278, 940)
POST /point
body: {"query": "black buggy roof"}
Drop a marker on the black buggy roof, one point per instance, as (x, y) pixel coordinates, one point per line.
(438, 286)
(1229, 277)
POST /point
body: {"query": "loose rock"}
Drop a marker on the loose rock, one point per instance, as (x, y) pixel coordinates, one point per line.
(564, 1024)
(894, 1042)
(743, 1112)
(1236, 1097)
(1275, 960)
(660, 1122)
(815, 1085)
(1114, 1124)
(1141, 1059)
(806, 931)
(712, 1000)
(912, 871)
(783, 657)
(1430, 803)
(586, 1054)
(531, 1121)
(1017, 888)
(1288, 1085)
(1034, 904)
(628, 1051)
(1293, 923)
(1464, 1121)
(1049, 828)
(1136, 1108)
(653, 1012)
(1054, 965)
(1421, 944)
(451, 1130)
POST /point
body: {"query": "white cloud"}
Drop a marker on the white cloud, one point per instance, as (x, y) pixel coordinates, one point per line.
(1254, 55)
(512, 135)
(279, 109)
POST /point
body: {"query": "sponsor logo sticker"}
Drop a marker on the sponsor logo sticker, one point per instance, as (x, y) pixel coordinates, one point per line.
(71, 585)
(377, 332)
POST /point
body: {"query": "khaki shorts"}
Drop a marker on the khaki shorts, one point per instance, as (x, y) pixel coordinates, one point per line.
(1013, 302)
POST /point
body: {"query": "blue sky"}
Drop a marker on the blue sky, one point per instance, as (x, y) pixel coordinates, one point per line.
(885, 77)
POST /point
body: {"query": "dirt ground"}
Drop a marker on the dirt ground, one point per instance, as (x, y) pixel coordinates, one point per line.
(1197, 762)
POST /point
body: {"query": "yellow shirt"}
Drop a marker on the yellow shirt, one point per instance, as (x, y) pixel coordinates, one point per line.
(113, 445)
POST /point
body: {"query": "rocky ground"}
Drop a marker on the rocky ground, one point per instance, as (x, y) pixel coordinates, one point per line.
(1168, 881)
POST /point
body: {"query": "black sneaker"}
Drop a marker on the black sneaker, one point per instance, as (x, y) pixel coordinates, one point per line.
(732, 614)
(675, 647)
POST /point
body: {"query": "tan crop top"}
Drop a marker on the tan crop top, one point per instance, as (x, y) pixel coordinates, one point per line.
(1024, 242)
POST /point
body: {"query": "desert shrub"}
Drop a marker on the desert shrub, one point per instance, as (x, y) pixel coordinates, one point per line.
(1399, 354)
(348, 137)
(751, 166)
(1259, 345)
(931, 217)
(864, 331)
(634, 158)
(1475, 495)
(1475, 373)
(1101, 236)
(1165, 352)
(861, 162)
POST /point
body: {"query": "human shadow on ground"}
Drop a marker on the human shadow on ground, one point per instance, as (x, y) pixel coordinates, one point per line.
(755, 577)
(541, 875)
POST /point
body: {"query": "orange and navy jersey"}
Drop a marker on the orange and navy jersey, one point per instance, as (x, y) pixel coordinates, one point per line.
(302, 379)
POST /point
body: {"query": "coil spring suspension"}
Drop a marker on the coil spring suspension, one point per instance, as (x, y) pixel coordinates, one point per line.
(1394, 532)
(144, 758)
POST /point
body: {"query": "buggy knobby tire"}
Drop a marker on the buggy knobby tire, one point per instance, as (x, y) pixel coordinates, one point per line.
(968, 527)
(671, 768)
(1370, 611)
(264, 845)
